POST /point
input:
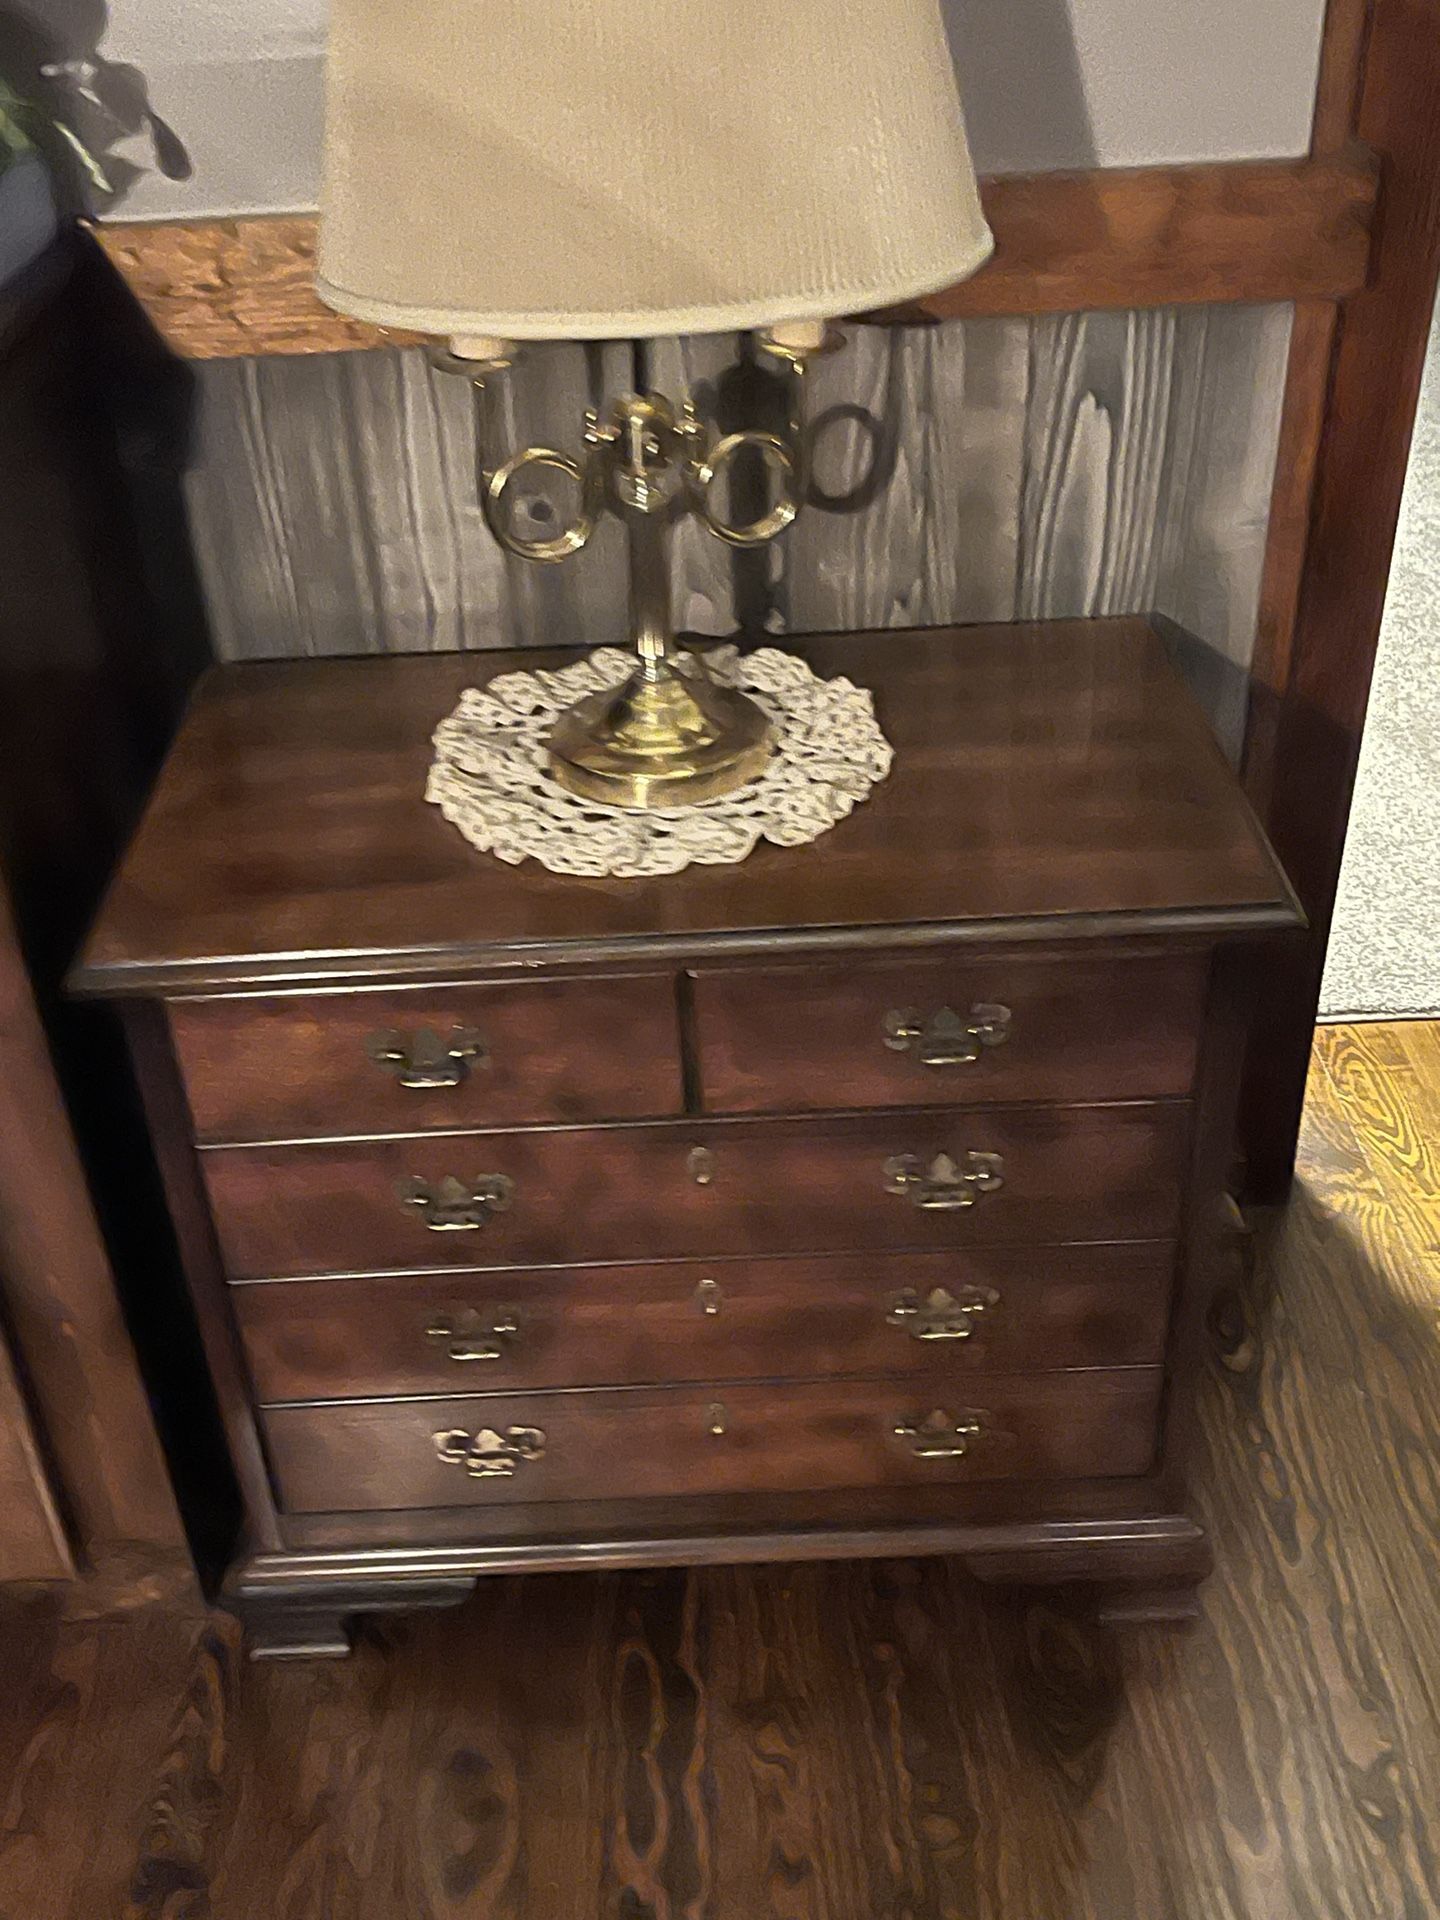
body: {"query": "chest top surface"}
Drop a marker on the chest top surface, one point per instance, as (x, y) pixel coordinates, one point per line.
(1049, 780)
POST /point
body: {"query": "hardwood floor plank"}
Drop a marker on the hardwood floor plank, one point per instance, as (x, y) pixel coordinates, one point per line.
(46, 1682)
(1384, 1076)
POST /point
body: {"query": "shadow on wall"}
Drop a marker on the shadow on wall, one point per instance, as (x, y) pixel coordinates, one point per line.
(997, 44)
(51, 56)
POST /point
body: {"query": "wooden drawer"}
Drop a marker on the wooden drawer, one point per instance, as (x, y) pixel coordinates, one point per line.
(286, 1066)
(1010, 1027)
(937, 1314)
(702, 1191)
(364, 1455)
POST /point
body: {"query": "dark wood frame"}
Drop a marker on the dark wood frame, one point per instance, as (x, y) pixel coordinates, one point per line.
(88, 679)
(1351, 234)
(1354, 384)
(115, 1514)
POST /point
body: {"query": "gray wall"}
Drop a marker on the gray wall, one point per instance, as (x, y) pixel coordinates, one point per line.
(1047, 83)
(1116, 462)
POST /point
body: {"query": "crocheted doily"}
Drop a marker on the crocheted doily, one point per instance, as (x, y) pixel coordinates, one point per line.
(489, 776)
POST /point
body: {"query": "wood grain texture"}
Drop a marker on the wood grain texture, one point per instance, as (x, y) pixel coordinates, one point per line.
(1302, 419)
(1082, 774)
(33, 1545)
(1126, 237)
(58, 1304)
(245, 868)
(232, 286)
(640, 1325)
(847, 1741)
(1342, 68)
(615, 1193)
(804, 1039)
(1158, 236)
(1373, 384)
(548, 1051)
(1302, 426)
(799, 1437)
(981, 470)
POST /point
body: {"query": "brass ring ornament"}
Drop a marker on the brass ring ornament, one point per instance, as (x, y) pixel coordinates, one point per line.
(497, 501)
(780, 464)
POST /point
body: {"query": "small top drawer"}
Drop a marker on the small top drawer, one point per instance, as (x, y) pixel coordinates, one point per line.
(973, 1030)
(419, 1059)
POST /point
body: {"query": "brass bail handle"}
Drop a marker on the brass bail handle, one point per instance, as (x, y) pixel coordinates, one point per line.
(946, 1185)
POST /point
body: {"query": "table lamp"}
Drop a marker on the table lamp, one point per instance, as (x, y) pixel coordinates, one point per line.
(502, 171)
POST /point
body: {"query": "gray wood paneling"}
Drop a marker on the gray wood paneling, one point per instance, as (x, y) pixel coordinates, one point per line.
(982, 470)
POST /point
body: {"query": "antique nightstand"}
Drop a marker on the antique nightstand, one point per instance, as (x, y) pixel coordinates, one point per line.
(859, 1199)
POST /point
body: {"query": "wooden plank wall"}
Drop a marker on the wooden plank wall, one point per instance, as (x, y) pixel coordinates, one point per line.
(985, 469)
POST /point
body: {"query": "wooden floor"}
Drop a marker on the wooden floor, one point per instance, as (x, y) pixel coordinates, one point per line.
(853, 1742)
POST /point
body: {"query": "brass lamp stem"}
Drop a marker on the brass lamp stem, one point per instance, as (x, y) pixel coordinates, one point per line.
(652, 627)
(669, 736)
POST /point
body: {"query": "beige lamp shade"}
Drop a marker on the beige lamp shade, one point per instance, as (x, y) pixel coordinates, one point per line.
(613, 169)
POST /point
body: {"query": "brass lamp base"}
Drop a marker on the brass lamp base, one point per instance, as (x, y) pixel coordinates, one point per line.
(663, 739)
(668, 737)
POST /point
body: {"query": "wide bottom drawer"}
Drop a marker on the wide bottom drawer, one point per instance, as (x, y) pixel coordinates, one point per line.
(1036, 1310)
(491, 1448)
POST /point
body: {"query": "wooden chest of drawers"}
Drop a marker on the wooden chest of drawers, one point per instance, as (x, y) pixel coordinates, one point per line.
(859, 1199)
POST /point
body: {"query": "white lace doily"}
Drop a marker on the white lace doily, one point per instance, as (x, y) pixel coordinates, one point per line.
(489, 776)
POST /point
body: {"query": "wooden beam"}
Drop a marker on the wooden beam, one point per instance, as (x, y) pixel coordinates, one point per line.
(60, 1307)
(1328, 586)
(1302, 418)
(216, 289)
(1131, 237)
(1172, 236)
(1287, 538)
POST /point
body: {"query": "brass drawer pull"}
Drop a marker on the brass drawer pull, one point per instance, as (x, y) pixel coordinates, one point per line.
(946, 1038)
(453, 1206)
(944, 1186)
(488, 1455)
(423, 1060)
(940, 1314)
(470, 1335)
(944, 1436)
(709, 1297)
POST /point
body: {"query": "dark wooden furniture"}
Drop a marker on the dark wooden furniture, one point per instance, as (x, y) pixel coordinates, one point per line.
(858, 1199)
(88, 685)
